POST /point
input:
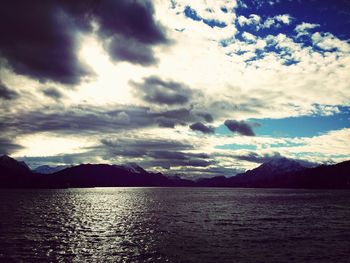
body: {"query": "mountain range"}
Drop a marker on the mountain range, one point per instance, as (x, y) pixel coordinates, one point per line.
(277, 173)
(286, 173)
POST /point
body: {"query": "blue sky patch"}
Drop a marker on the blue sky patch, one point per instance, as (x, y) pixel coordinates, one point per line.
(332, 16)
(304, 126)
(287, 144)
(236, 147)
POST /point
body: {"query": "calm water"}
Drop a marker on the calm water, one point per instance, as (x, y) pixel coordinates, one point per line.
(174, 225)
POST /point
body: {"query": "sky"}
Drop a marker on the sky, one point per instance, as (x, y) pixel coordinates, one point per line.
(192, 88)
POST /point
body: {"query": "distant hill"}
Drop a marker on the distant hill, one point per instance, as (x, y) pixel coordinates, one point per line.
(277, 173)
(91, 175)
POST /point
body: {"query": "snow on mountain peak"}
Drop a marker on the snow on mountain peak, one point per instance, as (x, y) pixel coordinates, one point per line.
(280, 165)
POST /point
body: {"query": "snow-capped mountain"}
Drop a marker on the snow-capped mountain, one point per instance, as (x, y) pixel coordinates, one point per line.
(46, 169)
(279, 166)
(131, 167)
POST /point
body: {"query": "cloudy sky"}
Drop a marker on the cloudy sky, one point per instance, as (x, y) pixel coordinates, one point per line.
(196, 88)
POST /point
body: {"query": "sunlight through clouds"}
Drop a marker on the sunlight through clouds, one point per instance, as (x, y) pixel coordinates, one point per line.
(181, 73)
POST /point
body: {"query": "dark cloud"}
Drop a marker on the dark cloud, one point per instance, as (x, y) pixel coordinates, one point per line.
(176, 155)
(8, 147)
(171, 118)
(87, 120)
(155, 152)
(39, 38)
(178, 114)
(131, 19)
(140, 147)
(224, 108)
(256, 158)
(168, 122)
(131, 29)
(207, 172)
(206, 116)
(6, 93)
(156, 90)
(71, 159)
(121, 48)
(78, 119)
(53, 93)
(198, 126)
(240, 127)
(198, 163)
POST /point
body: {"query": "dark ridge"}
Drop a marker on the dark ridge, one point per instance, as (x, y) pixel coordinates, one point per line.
(15, 174)
(335, 176)
(278, 173)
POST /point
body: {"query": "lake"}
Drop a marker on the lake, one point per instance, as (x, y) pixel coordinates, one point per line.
(174, 225)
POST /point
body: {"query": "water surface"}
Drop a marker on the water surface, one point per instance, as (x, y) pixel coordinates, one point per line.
(174, 225)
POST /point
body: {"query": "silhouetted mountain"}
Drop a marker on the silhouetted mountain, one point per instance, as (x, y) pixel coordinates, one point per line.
(324, 176)
(277, 166)
(91, 175)
(217, 181)
(10, 166)
(46, 169)
(12, 172)
(178, 181)
(285, 173)
(266, 174)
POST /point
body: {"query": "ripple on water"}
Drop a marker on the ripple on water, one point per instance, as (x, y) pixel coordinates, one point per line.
(174, 225)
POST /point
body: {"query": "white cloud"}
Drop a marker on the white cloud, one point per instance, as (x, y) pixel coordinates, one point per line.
(327, 41)
(285, 19)
(48, 144)
(242, 20)
(333, 145)
(249, 37)
(269, 22)
(304, 27)
(231, 88)
(208, 9)
(253, 19)
(276, 21)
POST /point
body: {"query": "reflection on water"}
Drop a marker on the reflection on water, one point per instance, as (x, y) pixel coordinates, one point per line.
(174, 225)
